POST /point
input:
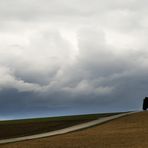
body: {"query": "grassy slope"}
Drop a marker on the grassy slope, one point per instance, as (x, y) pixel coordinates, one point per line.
(126, 132)
(17, 128)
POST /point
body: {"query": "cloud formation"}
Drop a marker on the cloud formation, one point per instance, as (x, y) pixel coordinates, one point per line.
(70, 54)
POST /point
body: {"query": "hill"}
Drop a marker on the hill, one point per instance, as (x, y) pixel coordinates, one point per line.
(127, 132)
(27, 127)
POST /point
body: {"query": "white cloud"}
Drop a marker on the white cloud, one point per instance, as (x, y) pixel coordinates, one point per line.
(72, 46)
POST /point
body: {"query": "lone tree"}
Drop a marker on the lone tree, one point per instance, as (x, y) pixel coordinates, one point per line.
(145, 103)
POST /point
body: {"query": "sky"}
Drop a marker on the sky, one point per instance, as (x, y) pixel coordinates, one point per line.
(60, 57)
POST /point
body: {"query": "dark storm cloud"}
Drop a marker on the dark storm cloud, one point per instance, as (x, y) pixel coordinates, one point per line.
(72, 56)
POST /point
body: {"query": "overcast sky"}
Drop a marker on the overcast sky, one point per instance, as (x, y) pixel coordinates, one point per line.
(62, 57)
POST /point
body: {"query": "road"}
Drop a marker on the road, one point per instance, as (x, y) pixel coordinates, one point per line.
(67, 130)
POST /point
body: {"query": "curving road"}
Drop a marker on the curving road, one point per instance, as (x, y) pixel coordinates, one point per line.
(67, 130)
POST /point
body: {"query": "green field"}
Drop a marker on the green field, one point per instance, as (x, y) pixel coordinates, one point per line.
(25, 127)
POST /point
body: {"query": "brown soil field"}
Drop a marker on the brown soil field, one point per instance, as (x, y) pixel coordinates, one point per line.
(126, 132)
(19, 128)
